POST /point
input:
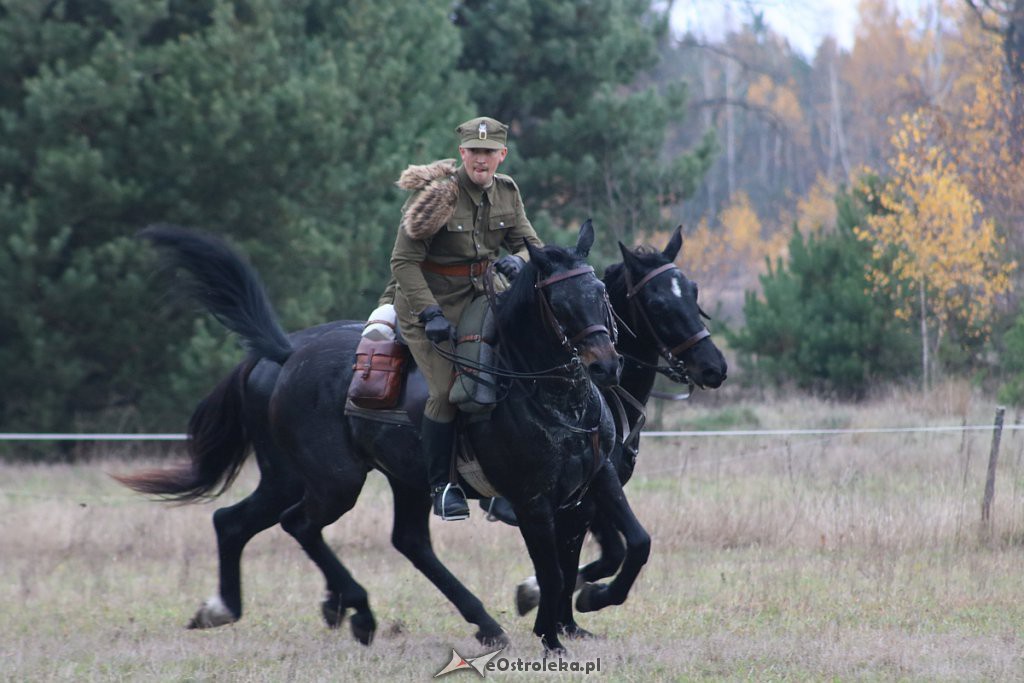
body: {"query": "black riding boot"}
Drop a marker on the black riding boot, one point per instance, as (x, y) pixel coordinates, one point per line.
(499, 510)
(449, 500)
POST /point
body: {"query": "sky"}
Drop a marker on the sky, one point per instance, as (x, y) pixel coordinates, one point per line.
(803, 22)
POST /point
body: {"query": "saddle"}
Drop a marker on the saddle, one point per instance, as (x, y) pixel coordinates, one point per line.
(408, 411)
(388, 387)
(473, 391)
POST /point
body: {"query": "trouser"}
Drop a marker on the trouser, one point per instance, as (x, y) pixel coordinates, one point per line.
(436, 370)
(438, 373)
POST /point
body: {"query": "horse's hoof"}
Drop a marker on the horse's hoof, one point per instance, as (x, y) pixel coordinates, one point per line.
(527, 595)
(213, 613)
(364, 626)
(574, 632)
(552, 647)
(589, 598)
(333, 611)
(499, 639)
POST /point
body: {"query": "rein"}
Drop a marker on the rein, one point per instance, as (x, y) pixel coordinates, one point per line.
(629, 437)
(547, 314)
(574, 373)
(564, 372)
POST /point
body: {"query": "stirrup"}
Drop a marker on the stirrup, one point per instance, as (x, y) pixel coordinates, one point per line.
(441, 500)
(499, 511)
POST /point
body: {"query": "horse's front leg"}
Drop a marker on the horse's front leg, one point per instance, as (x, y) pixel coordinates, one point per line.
(606, 491)
(613, 551)
(537, 526)
(570, 528)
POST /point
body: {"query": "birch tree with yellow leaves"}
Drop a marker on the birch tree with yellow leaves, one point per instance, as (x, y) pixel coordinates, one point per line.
(946, 262)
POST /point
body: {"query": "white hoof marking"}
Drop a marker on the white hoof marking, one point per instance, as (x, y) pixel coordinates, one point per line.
(213, 613)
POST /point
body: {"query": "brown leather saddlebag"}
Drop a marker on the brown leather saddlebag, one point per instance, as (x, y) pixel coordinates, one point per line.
(377, 373)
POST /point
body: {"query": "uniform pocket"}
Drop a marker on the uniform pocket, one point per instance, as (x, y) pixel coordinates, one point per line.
(459, 225)
(502, 221)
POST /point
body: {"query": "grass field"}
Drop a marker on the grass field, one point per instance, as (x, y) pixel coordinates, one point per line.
(774, 558)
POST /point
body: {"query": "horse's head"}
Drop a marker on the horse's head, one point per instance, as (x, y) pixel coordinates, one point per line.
(573, 305)
(659, 304)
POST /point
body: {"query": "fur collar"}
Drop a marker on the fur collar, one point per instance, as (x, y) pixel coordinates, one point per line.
(437, 191)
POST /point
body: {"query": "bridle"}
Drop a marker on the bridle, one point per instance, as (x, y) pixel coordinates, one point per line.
(574, 371)
(569, 344)
(676, 370)
(571, 371)
(552, 322)
(578, 374)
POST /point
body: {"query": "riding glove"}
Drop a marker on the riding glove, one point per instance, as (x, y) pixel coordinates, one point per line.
(509, 265)
(437, 327)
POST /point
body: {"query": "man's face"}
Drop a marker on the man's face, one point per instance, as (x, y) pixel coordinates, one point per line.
(482, 164)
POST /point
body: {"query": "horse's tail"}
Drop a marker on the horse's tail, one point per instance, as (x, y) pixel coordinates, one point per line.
(217, 444)
(226, 285)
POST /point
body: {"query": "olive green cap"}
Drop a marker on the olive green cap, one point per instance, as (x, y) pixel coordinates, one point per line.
(482, 132)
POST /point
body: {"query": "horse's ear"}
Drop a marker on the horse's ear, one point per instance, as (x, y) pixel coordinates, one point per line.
(537, 256)
(675, 243)
(586, 239)
(628, 258)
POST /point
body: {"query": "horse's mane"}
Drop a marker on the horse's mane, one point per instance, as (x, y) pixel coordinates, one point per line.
(614, 275)
(522, 293)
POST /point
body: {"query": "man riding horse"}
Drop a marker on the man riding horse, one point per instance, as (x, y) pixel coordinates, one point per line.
(451, 229)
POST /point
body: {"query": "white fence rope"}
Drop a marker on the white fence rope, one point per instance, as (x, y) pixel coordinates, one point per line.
(648, 435)
(816, 432)
(93, 437)
(824, 435)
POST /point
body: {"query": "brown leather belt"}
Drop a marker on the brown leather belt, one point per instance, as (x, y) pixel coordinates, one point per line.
(474, 269)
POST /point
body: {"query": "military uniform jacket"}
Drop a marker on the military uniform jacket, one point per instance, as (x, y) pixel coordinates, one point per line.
(482, 223)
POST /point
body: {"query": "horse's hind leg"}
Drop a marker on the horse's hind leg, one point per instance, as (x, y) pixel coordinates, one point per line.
(305, 522)
(411, 536)
(235, 526)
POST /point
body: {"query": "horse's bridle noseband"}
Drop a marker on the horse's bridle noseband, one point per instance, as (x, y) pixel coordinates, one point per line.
(548, 314)
(636, 309)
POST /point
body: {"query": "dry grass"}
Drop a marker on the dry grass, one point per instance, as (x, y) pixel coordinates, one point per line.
(800, 558)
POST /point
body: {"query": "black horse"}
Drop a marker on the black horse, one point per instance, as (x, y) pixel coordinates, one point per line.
(655, 299)
(659, 306)
(543, 452)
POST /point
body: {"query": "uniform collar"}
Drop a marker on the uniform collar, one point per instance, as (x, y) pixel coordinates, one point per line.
(475, 191)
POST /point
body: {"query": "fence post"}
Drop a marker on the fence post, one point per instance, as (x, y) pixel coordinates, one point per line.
(993, 458)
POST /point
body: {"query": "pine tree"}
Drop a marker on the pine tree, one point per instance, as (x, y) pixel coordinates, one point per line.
(588, 140)
(818, 324)
(281, 127)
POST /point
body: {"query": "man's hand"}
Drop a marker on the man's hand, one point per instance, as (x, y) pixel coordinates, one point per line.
(437, 327)
(509, 266)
